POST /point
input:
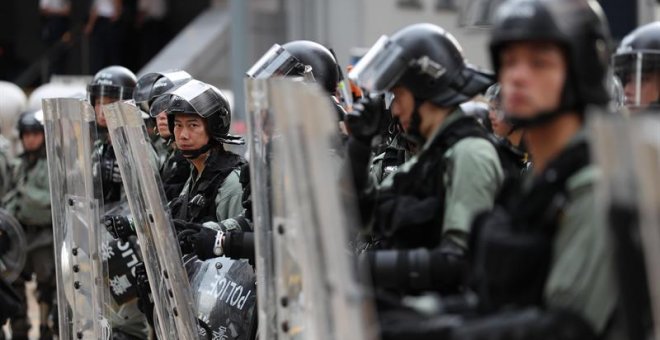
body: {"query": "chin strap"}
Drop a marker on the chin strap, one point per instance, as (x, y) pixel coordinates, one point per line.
(543, 117)
(192, 154)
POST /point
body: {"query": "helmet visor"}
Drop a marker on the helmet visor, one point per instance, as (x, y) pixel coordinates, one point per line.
(160, 105)
(380, 69)
(196, 96)
(639, 75)
(276, 62)
(112, 92)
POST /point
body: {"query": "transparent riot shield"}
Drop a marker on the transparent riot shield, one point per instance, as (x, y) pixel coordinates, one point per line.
(13, 247)
(76, 204)
(225, 297)
(627, 152)
(260, 134)
(302, 217)
(158, 245)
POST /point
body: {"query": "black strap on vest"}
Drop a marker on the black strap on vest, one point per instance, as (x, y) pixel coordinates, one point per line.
(197, 204)
(410, 213)
(511, 247)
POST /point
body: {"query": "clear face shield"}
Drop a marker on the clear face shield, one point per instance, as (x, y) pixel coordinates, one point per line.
(106, 94)
(380, 69)
(159, 105)
(99, 95)
(199, 96)
(639, 75)
(276, 62)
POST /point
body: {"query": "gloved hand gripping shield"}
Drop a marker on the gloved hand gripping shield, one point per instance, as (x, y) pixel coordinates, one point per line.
(160, 249)
(301, 218)
(76, 197)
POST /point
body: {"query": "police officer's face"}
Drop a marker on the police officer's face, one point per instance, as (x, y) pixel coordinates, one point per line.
(402, 106)
(532, 77)
(32, 140)
(500, 126)
(190, 132)
(161, 125)
(649, 89)
(98, 103)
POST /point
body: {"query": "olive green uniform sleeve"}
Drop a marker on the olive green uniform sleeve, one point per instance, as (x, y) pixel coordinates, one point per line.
(582, 275)
(472, 179)
(228, 200)
(29, 199)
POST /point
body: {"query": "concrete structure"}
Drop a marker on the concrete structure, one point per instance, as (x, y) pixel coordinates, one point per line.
(222, 43)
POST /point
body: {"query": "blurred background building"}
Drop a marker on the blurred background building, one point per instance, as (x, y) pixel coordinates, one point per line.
(217, 40)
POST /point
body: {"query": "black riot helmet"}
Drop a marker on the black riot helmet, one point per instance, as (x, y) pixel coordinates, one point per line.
(116, 82)
(425, 59)
(152, 85)
(206, 101)
(30, 121)
(578, 27)
(637, 61)
(300, 58)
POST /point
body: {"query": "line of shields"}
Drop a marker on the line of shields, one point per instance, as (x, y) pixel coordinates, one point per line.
(303, 209)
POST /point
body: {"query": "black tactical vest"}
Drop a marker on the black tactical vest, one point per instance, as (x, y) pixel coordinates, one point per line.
(197, 203)
(410, 213)
(174, 172)
(511, 247)
(106, 160)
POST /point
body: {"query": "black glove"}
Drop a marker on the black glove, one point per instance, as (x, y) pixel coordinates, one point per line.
(110, 171)
(185, 231)
(118, 226)
(246, 198)
(195, 238)
(366, 119)
(5, 242)
(145, 303)
(204, 242)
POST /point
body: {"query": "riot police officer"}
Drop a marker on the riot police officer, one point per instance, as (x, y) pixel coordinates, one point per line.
(552, 67)
(515, 159)
(29, 202)
(637, 65)
(301, 58)
(213, 191)
(109, 85)
(174, 169)
(426, 206)
(541, 262)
